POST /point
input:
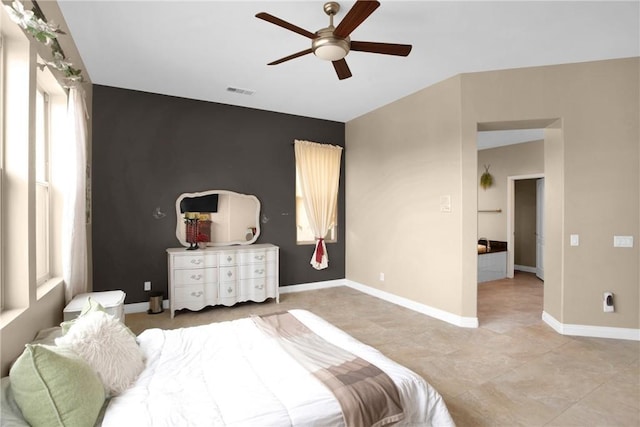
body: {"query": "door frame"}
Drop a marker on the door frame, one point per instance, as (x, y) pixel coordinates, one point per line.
(540, 237)
(511, 214)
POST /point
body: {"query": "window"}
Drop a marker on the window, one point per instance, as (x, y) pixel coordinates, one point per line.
(305, 235)
(317, 179)
(42, 230)
(33, 163)
(51, 164)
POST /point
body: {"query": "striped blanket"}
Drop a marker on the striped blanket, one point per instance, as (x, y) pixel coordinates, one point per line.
(367, 396)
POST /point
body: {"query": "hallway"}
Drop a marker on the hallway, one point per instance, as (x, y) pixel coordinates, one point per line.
(507, 304)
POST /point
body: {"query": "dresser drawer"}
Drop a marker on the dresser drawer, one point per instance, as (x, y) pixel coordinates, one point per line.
(195, 260)
(211, 293)
(228, 274)
(227, 258)
(253, 289)
(251, 271)
(195, 276)
(186, 294)
(252, 257)
(228, 290)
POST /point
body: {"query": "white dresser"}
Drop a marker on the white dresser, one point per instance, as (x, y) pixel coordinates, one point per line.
(222, 275)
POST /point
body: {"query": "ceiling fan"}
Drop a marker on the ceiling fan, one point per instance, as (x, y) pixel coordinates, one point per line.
(333, 43)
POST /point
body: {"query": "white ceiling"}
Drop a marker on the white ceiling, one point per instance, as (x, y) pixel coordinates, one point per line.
(500, 138)
(198, 49)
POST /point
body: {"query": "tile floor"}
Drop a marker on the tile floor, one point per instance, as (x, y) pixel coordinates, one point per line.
(514, 370)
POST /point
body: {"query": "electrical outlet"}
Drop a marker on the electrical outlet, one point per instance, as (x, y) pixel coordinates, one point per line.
(622, 241)
(147, 286)
(607, 302)
(382, 277)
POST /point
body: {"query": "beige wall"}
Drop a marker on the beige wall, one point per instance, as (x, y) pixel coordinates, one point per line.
(554, 219)
(512, 160)
(400, 160)
(598, 173)
(408, 153)
(19, 326)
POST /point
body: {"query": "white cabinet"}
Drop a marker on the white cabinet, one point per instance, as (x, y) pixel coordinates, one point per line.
(492, 266)
(222, 275)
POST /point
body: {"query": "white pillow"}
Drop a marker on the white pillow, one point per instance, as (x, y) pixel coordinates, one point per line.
(108, 347)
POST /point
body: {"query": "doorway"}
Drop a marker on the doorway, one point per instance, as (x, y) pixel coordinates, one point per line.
(515, 161)
(525, 224)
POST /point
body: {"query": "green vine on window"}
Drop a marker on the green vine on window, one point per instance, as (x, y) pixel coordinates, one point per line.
(33, 22)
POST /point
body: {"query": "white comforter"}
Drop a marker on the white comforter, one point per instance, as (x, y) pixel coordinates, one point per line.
(231, 374)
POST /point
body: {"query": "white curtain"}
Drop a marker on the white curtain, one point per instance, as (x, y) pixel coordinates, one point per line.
(74, 228)
(318, 167)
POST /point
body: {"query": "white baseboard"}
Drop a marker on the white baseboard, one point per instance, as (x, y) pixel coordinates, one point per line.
(591, 331)
(466, 322)
(454, 319)
(524, 268)
(142, 307)
(312, 286)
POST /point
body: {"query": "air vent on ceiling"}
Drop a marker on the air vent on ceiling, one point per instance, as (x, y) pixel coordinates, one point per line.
(240, 91)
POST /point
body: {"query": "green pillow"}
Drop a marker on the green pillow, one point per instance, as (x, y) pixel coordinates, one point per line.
(55, 387)
(89, 307)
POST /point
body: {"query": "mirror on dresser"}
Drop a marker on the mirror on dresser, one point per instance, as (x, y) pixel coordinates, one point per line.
(226, 217)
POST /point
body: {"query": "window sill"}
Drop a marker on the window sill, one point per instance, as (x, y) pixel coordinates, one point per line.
(8, 316)
(48, 286)
(313, 242)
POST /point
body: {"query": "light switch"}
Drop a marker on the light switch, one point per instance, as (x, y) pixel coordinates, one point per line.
(622, 241)
(574, 240)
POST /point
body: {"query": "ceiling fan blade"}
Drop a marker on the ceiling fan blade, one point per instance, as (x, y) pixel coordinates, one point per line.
(294, 56)
(383, 48)
(342, 69)
(286, 25)
(356, 16)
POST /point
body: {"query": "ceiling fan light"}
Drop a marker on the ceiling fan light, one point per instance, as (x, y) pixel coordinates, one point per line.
(330, 52)
(328, 47)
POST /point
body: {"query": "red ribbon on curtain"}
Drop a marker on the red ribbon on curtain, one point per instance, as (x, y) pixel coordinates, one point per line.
(319, 251)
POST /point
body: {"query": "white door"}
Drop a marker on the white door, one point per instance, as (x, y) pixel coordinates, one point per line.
(540, 228)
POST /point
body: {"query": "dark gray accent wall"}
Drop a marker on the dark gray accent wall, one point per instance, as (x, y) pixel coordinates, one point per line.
(148, 149)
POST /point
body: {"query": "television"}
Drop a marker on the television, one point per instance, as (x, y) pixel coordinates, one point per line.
(207, 203)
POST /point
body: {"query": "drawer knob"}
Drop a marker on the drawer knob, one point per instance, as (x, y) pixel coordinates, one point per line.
(259, 257)
(196, 294)
(229, 258)
(196, 276)
(230, 289)
(229, 274)
(196, 261)
(260, 271)
(259, 286)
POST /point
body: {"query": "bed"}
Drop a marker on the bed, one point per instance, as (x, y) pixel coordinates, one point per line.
(240, 373)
